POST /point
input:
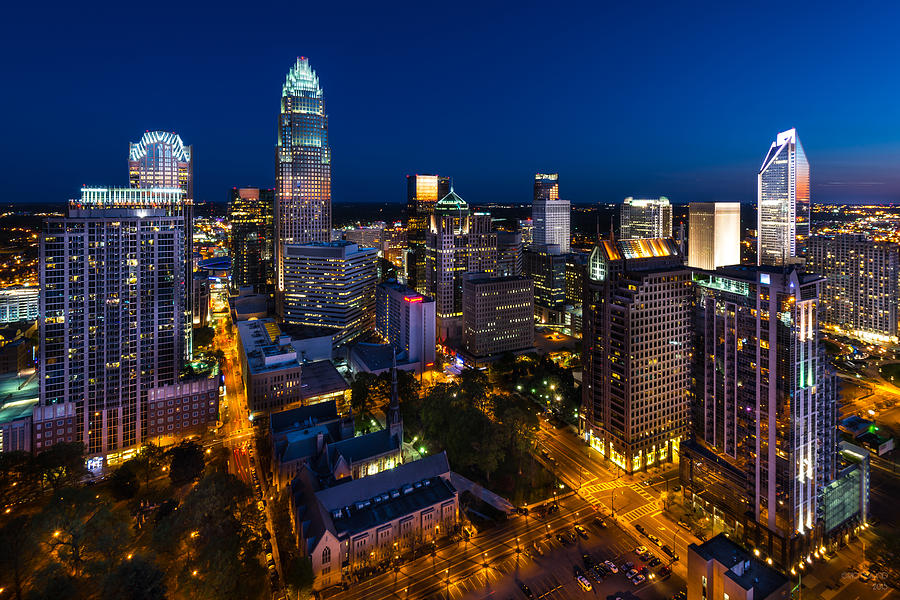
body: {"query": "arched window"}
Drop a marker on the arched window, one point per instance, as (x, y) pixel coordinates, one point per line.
(326, 555)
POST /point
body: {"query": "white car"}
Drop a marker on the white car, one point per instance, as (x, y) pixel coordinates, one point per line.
(584, 583)
(637, 579)
(611, 566)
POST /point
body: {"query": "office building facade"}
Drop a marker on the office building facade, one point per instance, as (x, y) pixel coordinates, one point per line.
(251, 212)
(645, 218)
(302, 168)
(862, 284)
(714, 236)
(783, 201)
(763, 442)
(422, 193)
(458, 242)
(113, 318)
(330, 285)
(509, 253)
(547, 268)
(406, 319)
(637, 349)
(19, 303)
(498, 315)
(550, 215)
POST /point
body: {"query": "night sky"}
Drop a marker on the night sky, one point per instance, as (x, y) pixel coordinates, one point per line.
(644, 99)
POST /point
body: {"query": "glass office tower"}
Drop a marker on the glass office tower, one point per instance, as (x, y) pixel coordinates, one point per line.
(783, 201)
(422, 193)
(251, 213)
(302, 165)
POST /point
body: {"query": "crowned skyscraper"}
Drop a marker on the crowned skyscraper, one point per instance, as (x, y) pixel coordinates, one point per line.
(302, 166)
(783, 197)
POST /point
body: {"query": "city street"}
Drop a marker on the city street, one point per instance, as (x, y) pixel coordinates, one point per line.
(526, 549)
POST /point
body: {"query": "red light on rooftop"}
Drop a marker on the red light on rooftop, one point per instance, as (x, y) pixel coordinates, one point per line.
(412, 299)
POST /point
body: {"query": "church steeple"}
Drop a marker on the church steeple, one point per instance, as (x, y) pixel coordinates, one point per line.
(394, 422)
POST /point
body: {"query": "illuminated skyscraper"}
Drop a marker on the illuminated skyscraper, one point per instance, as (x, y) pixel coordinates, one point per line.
(637, 349)
(764, 412)
(330, 285)
(645, 218)
(302, 166)
(783, 201)
(422, 193)
(251, 212)
(715, 235)
(112, 313)
(551, 216)
(160, 160)
(458, 242)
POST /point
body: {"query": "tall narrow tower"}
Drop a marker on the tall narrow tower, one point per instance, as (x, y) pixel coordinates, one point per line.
(302, 166)
(783, 197)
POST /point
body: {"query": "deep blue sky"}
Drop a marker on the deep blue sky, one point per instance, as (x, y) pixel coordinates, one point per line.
(653, 98)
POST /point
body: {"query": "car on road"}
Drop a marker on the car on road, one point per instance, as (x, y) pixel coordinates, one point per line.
(599, 522)
(684, 525)
(525, 589)
(669, 552)
(584, 583)
(581, 531)
(646, 483)
(638, 579)
(654, 539)
(640, 529)
(611, 566)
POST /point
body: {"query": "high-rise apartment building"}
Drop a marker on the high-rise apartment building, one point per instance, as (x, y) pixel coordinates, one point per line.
(645, 218)
(576, 271)
(509, 253)
(862, 284)
(406, 319)
(637, 349)
(458, 242)
(526, 228)
(763, 443)
(302, 167)
(393, 246)
(714, 237)
(783, 201)
(550, 215)
(330, 285)
(498, 315)
(422, 193)
(161, 160)
(112, 307)
(251, 212)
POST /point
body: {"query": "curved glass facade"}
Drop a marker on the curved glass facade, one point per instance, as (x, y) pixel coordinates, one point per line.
(302, 164)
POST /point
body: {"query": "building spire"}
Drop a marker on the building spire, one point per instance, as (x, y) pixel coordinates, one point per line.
(394, 422)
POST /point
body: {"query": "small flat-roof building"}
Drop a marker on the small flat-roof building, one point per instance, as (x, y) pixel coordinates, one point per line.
(18, 397)
(270, 366)
(721, 569)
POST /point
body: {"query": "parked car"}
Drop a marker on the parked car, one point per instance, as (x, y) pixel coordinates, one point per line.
(654, 539)
(669, 552)
(584, 583)
(684, 525)
(653, 561)
(611, 566)
(640, 550)
(638, 579)
(664, 572)
(631, 573)
(599, 522)
(587, 560)
(581, 531)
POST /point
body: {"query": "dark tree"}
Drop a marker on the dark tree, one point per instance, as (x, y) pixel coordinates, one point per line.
(19, 479)
(124, 483)
(62, 465)
(135, 579)
(148, 462)
(19, 549)
(83, 531)
(187, 463)
(53, 583)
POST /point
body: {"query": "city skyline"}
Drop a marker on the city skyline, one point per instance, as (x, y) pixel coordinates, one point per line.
(624, 145)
